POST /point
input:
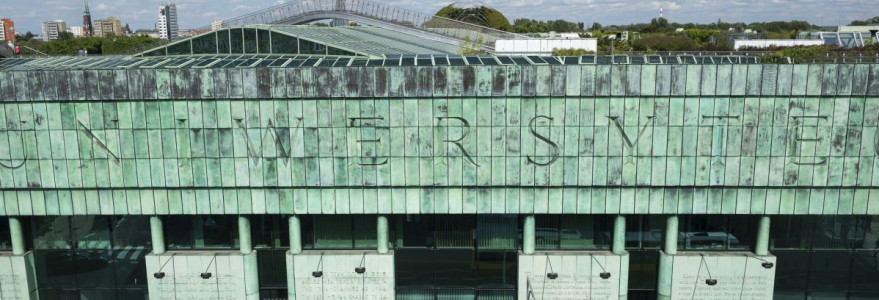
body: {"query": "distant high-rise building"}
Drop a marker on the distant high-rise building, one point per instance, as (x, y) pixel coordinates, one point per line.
(217, 24)
(87, 29)
(7, 30)
(75, 30)
(110, 25)
(53, 29)
(167, 25)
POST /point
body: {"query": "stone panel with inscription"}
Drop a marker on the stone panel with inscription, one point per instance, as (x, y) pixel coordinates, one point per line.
(183, 275)
(579, 275)
(738, 275)
(339, 279)
(16, 276)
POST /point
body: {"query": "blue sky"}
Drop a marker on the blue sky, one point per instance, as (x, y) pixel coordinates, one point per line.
(196, 13)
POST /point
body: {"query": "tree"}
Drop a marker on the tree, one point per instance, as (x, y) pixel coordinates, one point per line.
(595, 26)
(873, 20)
(480, 15)
(529, 26)
(65, 35)
(657, 25)
(24, 38)
(470, 47)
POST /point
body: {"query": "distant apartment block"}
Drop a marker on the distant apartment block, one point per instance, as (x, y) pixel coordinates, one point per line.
(75, 30)
(167, 25)
(105, 27)
(7, 30)
(52, 29)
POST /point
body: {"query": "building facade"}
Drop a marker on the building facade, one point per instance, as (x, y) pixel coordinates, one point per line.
(52, 29)
(288, 173)
(167, 24)
(7, 30)
(108, 26)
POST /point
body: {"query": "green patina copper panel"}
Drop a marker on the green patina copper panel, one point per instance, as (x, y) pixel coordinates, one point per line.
(563, 131)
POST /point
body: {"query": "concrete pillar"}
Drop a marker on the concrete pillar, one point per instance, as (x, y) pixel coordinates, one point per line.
(295, 235)
(244, 235)
(666, 259)
(382, 234)
(17, 236)
(528, 235)
(619, 235)
(157, 234)
(671, 235)
(762, 247)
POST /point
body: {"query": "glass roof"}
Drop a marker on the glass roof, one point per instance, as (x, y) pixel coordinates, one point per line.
(305, 61)
(290, 39)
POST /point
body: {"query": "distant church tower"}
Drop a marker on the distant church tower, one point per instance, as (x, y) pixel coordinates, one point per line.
(87, 29)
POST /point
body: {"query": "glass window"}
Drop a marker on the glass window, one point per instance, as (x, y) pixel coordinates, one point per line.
(365, 231)
(201, 232)
(496, 269)
(454, 231)
(414, 231)
(572, 232)
(497, 232)
(716, 232)
(206, 44)
(790, 232)
(309, 47)
(5, 238)
(644, 231)
(180, 48)
(865, 271)
(270, 231)
(178, 232)
(455, 269)
(829, 270)
(643, 266)
(97, 256)
(131, 232)
(236, 36)
(272, 268)
(792, 270)
(158, 52)
(282, 43)
(91, 232)
(263, 41)
(223, 41)
(51, 232)
(249, 40)
(332, 232)
(336, 51)
(414, 268)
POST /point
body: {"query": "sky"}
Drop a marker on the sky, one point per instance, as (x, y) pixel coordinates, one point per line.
(197, 13)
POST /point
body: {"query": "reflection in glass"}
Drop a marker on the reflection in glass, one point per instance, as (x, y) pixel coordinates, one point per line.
(91, 232)
(309, 47)
(51, 232)
(180, 48)
(223, 41)
(263, 41)
(270, 231)
(205, 44)
(236, 38)
(572, 232)
(282, 43)
(249, 40)
(454, 269)
(332, 232)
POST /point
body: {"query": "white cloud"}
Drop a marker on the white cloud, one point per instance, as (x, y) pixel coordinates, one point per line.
(101, 6)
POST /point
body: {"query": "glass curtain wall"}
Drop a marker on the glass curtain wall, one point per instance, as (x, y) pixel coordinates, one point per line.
(456, 256)
(91, 257)
(271, 240)
(573, 232)
(826, 257)
(203, 232)
(644, 236)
